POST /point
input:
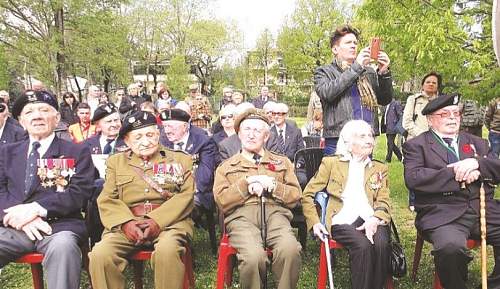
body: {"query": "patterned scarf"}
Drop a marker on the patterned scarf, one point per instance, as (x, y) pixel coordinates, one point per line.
(368, 97)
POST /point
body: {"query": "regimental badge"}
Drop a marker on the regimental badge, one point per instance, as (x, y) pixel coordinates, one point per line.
(55, 172)
(196, 160)
(172, 173)
(375, 181)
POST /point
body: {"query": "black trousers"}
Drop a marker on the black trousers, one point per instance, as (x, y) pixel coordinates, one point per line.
(392, 147)
(450, 251)
(369, 262)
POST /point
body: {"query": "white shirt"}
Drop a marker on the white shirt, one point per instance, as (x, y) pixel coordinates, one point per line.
(1, 128)
(354, 196)
(284, 131)
(103, 140)
(454, 142)
(184, 141)
(44, 144)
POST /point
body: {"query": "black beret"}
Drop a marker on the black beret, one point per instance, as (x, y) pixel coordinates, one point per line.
(175, 114)
(31, 96)
(137, 120)
(251, 113)
(441, 101)
(103, 110)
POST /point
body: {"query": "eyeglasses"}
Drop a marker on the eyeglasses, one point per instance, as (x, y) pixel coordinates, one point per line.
(447, 114)
(3, 107)
(223, 117)
(279, 113)
(120, 94)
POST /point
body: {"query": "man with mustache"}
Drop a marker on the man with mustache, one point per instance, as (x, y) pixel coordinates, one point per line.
(146, 200)
(445, 168)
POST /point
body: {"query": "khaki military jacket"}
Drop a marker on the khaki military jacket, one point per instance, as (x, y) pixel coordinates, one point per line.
(124, 188)
(332, 175)
(231, 186)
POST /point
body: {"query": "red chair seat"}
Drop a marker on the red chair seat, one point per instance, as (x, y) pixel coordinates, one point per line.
(323, 270)
(35, 260)
(139, 257)
(225, 262)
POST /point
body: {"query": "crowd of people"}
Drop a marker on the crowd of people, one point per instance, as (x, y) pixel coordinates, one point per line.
(148, 166)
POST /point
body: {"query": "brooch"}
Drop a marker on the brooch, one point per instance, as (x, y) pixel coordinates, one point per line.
(164, 173)
(55, 172)
(375, 181)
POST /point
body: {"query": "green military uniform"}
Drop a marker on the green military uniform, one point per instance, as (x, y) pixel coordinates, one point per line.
(243, 220)
(332, 174)
(125, 188)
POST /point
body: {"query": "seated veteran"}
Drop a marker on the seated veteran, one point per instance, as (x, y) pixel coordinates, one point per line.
(146, 200)
(181, 136)
(44, 184)
(358, 210)
(445, 168)
(107, 120)
(253, 178)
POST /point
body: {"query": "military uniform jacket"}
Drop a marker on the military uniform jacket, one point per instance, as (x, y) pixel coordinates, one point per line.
(95, 146)
(124, 188)
(63, 208)
(439, 199)
(332, 175)
(231, 186)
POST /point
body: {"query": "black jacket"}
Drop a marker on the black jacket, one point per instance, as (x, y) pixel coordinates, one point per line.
(68, 113)
(333, 88)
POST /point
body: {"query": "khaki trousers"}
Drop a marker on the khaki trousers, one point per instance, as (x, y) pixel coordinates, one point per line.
(108, 260)
(243, 226)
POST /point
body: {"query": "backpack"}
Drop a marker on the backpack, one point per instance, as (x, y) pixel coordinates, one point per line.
(471, 114)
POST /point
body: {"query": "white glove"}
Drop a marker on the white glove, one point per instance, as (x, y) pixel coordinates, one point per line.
(370, 227)
(19, 215)
(320, 231)
(34, 229)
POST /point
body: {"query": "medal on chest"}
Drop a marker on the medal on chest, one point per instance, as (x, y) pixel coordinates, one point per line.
(55, 172)
(164, 173)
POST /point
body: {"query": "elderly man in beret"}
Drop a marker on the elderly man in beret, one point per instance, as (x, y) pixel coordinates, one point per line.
(107, 120)
(244, 181)
(445, 168)
(146, 200)
(44, 184)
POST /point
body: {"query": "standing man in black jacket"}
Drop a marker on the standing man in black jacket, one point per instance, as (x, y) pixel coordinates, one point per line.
(349, 88)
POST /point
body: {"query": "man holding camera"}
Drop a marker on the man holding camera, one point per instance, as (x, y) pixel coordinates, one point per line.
(251, 184)
(349, 88)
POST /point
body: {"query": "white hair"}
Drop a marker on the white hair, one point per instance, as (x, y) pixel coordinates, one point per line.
(242, 107)
(280, 107)
(227, 109)
(269, 106)
(183, 106)
(348, 131)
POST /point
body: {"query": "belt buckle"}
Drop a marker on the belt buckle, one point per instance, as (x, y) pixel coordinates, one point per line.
(148, 208)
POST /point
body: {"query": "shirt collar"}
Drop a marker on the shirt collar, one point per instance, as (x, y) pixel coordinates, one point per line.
(44, 144)
(441, 136)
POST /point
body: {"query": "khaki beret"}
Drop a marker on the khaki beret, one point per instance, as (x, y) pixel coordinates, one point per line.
(251, 113)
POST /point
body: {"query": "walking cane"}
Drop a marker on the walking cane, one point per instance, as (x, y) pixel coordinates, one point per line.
(263, 231)
(484, 257)
(322, 199)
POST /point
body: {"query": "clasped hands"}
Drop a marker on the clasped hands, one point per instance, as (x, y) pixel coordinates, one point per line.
(26, 217)
(141, 231)
(466, 170)
(369, 226)
(259, 183)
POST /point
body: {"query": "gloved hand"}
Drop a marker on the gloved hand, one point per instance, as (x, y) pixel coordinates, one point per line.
(34, 229)
(370, 227)
(150, 228)
(133, 232)
(20, 215)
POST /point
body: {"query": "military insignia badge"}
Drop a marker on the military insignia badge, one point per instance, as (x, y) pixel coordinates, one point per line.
(131, 119)
(375, 181)
(56, 172)
(164, 173)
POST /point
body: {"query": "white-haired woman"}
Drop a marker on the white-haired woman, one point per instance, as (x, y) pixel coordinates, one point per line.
(226, 118)
(358, 211)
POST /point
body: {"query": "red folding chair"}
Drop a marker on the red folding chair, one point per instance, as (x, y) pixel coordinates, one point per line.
(225, 262)
(139, 257)
(471, 244)
(323, 270)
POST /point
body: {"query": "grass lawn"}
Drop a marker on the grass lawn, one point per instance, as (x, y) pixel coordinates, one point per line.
(19, 276)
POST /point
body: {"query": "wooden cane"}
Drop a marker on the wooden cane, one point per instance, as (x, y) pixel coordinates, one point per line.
(484, 257)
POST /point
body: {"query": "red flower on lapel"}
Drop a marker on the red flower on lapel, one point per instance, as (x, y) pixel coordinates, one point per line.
(466, 148)
(271, 167)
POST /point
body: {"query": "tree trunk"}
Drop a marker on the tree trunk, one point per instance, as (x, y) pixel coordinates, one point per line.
(60, 57)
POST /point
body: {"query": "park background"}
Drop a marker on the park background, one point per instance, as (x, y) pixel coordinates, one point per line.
(112, 43)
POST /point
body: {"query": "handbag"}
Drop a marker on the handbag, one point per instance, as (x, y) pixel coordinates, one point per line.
(397, 257)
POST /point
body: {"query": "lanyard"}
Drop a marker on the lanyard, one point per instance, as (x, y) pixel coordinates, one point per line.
(451, 149)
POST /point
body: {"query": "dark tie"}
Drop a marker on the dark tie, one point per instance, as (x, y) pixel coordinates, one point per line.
(450, 152)
(281, 142)
(256, 158)
(108, 147)
(179, 145)
(31, 167)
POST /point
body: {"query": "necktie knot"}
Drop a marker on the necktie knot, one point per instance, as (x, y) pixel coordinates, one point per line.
(107, 148)
(256, 158)
(35, 145)
(448, 140)
(180, 145)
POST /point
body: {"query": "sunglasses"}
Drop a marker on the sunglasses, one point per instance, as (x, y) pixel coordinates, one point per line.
(222, 117)
(279, 113)
(3, 107)
(447, 114)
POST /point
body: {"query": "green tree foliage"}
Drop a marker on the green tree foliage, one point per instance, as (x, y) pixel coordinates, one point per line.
(421, 36)
(178, 76)
(4, 74)
(305, 37)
